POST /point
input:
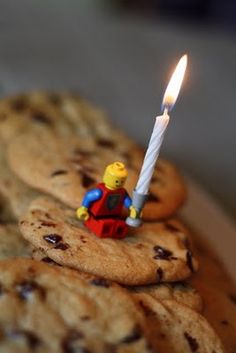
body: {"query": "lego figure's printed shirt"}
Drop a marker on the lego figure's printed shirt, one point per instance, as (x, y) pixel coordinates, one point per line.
(102, 201)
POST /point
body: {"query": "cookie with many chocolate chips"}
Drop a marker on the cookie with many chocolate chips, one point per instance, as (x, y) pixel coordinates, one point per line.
(53, 309)
(177, 328)
(25, 113)
(12, 244)
(67, 167)
(15, 194)
(219, 294)
(62, 113)
(150, 254)
(182, 292)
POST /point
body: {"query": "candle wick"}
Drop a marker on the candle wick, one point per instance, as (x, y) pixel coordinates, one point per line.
(165, 111)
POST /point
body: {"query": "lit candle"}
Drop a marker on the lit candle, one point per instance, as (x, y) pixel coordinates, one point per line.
(152, 153)
(141, 191)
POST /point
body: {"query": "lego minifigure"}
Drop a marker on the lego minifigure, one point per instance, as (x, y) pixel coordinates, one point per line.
(102, 207)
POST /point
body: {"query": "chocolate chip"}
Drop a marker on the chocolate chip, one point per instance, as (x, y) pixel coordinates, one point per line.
(74, 334)
(59, 172)
(61, 246)
(105, 143)
(41, 118)
(156, 179)
(153, 198)
(193, 344)
(68, 344)
(19, 104)
(47, 260)
(24, 289)
(162, 254)
(85, 318)
(101, 282)
(32, 340)
(224, 322)
(135, 335)
(159, 274)
(87, 181)
(54, 99)
(82, 153)
(232, 297)
(48, 224)
(82, 238)
(189, 260)
(52, 238)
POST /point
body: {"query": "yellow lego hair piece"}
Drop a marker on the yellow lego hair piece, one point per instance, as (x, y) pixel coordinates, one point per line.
(117, 169)
(115, 175)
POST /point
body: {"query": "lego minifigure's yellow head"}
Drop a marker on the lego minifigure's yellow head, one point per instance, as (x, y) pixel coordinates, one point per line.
(115, 175)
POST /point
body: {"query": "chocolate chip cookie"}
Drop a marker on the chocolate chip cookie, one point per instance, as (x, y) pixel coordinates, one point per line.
(177, 328)
(153, 253)
(67, 167)
(182, 292)
(16, 195)
(218, 292)
(53, 309)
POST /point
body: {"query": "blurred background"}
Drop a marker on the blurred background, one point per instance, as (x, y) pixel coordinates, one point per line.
(120, 55)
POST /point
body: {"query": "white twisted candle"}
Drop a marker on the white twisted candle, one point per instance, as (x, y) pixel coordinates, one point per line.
(152, 154)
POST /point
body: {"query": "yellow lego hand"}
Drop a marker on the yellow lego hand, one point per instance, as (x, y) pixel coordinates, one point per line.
(82, 213)
(133, 212)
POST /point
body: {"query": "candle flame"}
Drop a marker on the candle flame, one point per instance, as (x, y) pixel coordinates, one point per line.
(174, 85)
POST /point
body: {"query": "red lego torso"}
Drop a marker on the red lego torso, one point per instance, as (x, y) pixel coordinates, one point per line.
(110, 204)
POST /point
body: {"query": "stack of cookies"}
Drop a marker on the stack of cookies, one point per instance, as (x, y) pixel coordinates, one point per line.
(64, 290)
